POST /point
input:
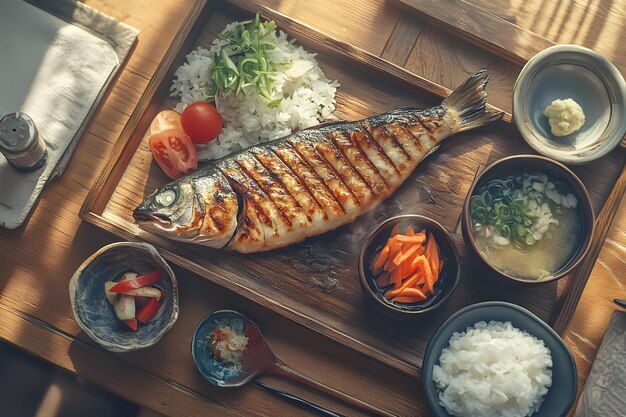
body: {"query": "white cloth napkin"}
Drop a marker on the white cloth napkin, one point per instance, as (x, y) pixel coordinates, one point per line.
(56, 72)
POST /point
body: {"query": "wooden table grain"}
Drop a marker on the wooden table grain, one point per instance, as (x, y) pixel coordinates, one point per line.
(37, 260)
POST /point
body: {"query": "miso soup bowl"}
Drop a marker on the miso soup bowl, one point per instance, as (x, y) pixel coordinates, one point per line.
(518, 164)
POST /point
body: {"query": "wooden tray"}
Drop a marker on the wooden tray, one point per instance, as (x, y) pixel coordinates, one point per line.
(315, 283)
(492, 30)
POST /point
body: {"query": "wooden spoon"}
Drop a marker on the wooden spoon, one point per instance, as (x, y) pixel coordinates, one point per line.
(259, 359)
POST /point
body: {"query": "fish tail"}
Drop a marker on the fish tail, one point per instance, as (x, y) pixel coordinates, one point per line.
(469, 103)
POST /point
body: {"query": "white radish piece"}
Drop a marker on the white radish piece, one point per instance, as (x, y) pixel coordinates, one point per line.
(125, 307)
(151, 292)
(111, 296)
(127, 276)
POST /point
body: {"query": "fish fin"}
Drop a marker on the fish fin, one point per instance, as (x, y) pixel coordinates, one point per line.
(468, 102)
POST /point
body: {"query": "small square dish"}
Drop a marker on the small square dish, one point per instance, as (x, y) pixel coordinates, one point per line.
(571, 71)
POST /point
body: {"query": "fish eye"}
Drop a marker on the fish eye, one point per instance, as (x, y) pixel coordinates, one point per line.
(166, 197)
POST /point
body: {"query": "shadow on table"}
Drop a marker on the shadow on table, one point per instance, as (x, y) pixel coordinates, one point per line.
(31, 387)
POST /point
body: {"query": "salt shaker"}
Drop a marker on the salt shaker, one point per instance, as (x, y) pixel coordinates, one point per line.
(20, 142)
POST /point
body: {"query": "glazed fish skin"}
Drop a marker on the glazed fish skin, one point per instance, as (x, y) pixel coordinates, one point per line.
(281, 192)
(199, 208)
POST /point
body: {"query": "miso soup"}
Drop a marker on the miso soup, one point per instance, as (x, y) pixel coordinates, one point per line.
(527, 226)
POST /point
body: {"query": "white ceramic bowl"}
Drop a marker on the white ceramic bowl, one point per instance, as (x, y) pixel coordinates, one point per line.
(571, 71)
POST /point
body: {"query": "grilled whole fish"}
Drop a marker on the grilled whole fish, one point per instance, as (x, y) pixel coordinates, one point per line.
(313, 181)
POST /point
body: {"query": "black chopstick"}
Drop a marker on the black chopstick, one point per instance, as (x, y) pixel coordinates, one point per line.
(297, 400)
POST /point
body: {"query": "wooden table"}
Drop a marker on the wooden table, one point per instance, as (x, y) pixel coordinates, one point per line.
(37, 260)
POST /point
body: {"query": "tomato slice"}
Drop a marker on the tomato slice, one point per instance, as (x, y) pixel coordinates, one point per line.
(139, 282)
(142, 301)
(201, 121)
(146, 312)
(174, 152)
(132, 324)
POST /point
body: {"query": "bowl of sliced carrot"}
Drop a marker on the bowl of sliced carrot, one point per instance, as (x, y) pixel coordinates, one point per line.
(408, 266)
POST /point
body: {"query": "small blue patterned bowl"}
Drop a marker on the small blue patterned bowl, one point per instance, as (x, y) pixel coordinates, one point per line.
(213, 370)
(95, 315)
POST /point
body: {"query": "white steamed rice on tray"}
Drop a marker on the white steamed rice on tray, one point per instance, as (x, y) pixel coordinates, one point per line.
(493, 369)
(308, 97)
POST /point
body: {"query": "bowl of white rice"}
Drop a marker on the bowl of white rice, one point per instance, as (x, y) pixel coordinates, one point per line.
(497, 359)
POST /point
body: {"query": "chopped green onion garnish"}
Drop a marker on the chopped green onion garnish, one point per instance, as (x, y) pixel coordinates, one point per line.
(244, 61)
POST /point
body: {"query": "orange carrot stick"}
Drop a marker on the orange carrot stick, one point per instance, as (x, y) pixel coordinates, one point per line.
(418, 238)
(405, 255)
(410, 231)
(408, 299)
(415, 261)
(399, 274)
(428, 276)
(411, 281)
(432, 252)
(412, 292)
(395, 230)
(380, 260)
(394, 249)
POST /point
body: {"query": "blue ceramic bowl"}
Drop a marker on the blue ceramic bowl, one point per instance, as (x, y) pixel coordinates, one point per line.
(561, 394)
(95, 315)
(215, 371)
(571, 71)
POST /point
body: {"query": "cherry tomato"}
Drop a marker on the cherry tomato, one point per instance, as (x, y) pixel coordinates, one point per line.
(174, 152)
(202, 122)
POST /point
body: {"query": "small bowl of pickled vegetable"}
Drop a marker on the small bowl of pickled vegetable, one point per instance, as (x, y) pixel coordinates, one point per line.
(408, 266)
(125, 296)
(528, 219)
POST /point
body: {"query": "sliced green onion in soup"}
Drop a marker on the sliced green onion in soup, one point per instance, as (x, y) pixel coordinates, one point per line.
(476, 202)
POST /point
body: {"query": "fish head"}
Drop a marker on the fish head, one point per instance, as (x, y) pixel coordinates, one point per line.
(200, 208)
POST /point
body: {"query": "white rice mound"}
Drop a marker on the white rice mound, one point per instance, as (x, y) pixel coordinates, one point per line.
(493, 370)
(309, 97)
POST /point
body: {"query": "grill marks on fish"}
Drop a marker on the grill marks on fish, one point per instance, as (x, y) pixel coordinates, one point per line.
(320, 179)
(257, 215)
(315, 185)
(291, 183)
(377, 156)
(313, 181)
(288, 208)
(219, 204)
(411, 145)
(219, 209)
(352, 179)
(364, 166)
(392, 148)
(328, 176)
(429, 123)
